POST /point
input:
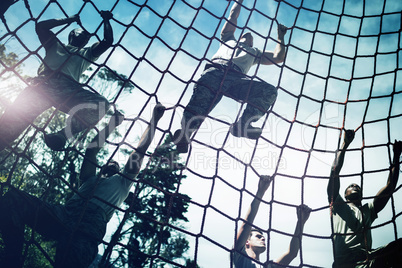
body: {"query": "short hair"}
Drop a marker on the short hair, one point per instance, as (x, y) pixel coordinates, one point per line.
(71, 35)
(344, 194)
(255, 230)
(112, 167)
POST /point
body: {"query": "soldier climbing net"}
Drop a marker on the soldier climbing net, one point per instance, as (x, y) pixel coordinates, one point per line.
(342, 71)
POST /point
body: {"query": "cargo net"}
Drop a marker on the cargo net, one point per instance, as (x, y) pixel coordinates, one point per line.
(341, 71)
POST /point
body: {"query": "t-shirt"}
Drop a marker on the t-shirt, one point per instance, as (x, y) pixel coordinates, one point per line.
(113, 190)
(241, 261)
(352, 234)
(242, 55)
(73, 61)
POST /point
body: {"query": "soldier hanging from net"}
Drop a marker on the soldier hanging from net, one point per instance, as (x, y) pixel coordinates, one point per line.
(226, 75)
(250, 242)
(352, 221)
(58, 84)
(80, 224)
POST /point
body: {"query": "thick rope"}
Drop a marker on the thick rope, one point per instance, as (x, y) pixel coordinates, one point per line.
(222, 151)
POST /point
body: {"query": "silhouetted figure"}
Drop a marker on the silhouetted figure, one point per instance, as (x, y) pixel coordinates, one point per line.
(250, 242)
(57, 84)
(80, 224)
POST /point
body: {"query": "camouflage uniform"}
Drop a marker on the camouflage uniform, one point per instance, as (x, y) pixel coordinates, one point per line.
(226, 75)
(78, 227)
(86, 107)
(57, 85)
(218, 80)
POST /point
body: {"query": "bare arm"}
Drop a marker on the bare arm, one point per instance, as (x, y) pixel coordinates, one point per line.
(43, 29)
(333, 183)
(100, 47)
(303, 213)
(231, 23)
(382, 197)
(245, 227)
(134, 162)
(88, 167)
(278, 56)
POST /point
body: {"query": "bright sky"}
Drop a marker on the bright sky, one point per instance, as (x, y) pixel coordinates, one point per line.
(330, 79)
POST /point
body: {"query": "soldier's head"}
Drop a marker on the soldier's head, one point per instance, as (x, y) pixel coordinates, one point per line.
(78, 37)
(247, 38)
(353, 193)
(111, 168)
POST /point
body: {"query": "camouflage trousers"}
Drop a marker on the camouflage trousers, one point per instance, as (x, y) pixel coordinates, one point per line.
(215, 83)
(77, 228)
(85, 107)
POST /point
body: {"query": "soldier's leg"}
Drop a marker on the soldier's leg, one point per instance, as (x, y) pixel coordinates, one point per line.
(79, 253)
(205, 97)
(18, 209)
(85, 108)
(259, 97)
(88, 226)
(86, 111)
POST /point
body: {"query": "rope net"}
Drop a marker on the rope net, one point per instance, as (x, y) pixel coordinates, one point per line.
(341, 71)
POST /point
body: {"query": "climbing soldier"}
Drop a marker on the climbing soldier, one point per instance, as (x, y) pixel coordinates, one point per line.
(225, 74)
(78, 226)
(352, 221)
(57, 84)
(250, 242)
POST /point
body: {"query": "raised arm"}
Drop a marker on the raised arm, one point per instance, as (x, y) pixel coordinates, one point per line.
(43, 29)
(303, 213)
(245, 227)
(89, 165)
(333, 183)
(99, 47)
(133, 165)
(382, 197)
(231, 23)
(278, 56)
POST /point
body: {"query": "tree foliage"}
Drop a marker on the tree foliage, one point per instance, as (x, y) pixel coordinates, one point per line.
(108, 83)
(156, 209)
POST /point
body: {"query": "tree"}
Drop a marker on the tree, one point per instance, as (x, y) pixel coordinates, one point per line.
(153, 209)
(9, 72)
(108, 83)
